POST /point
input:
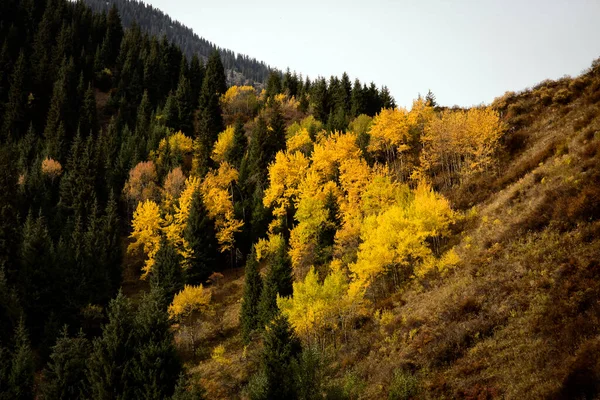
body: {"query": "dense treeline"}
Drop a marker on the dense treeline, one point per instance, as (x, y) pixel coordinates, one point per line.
(101, 125)
(240, 68)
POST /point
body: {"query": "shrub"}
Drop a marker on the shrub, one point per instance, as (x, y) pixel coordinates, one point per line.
(563, 96)
(404, 386)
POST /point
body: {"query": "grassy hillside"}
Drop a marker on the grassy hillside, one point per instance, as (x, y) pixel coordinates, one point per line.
(519, 317)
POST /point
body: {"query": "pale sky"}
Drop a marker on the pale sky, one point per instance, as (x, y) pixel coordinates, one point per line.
(466, 52)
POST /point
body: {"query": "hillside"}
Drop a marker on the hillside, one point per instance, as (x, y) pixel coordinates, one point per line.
(165, 235)
(241, 69)
(517, 317)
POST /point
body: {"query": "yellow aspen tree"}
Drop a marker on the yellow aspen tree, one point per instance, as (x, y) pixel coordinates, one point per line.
(146, 229)
(223, 145)
(190, 299)
(390, 133)
(218, 199)
(285, 175)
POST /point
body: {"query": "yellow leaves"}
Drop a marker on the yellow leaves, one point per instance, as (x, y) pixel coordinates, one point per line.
(51, 168)
(389, 132)
(219, 203)
(285, 175)
(268, 247)
(171, 150)
(235, 92)
(460, 142)
(331, 151)
(300, 141)
(223, 145)
(397, 237)
(316, 307)
(189, 300)
(146, 228)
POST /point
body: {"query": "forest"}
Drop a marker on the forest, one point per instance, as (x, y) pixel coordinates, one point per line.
(168, 232)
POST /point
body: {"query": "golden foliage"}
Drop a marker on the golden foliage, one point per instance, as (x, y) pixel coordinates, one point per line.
(141, 185)
(51, 168)
(397, 237)
(460, 143)
(172, 150)
(146, 228)
(223, 145)
(175, 223)
(216, 191)
(285, 175)
(190, 299)
(315, 307)
(389, 133)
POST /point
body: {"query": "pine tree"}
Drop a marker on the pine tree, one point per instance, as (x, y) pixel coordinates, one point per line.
(430, 99)
(279, 281)
(110, 363)
(215, 82)
(183, 98)
(156, 366)
(14, 116)
(196, 77)
(240, 143)
(166, 271)
(64, 376)
(281, 349)
(386, 99)
(88, 120)
(200, 236)
(273, 84)
(252, 293)
(20, 379)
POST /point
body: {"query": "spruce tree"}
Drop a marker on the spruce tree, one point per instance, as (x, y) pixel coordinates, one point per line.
(252, 290)
(64, 376)
(279, 281)
(281, 349)
(240, 143)
(166, 271)
(14, 116)
(200, 235)
(20, 378)
(156, 366)
(196, 76)
(110, 363)
(183, 98)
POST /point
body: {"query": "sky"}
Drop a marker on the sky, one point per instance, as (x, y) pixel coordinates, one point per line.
(466, 52)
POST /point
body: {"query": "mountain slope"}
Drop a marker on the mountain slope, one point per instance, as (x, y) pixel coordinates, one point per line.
(241, 69)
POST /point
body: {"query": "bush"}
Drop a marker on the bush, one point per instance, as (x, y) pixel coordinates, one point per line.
(404, 386)
(563, 96)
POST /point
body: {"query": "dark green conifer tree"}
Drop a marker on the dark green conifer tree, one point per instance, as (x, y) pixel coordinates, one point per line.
(200, 235)
(249, 317)
(111, 360)
(20, 378)
(281, 350)
(65, 374)
(240, 143)
(156, 365)
(166, 271)
(15, 123)
(279, 281)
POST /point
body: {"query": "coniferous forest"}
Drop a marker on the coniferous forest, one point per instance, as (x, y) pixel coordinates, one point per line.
(181, 222)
